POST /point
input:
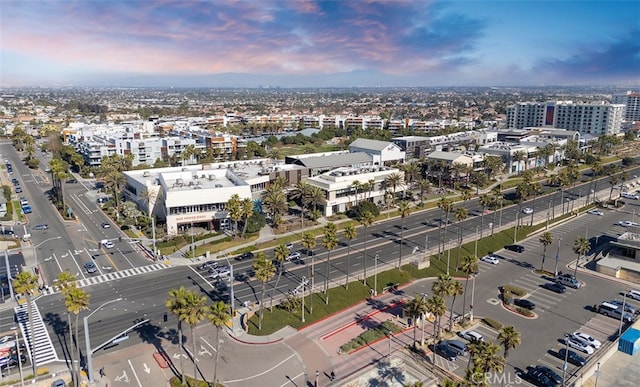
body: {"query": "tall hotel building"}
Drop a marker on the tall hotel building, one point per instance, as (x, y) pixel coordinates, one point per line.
(631, 101)
(596, 118)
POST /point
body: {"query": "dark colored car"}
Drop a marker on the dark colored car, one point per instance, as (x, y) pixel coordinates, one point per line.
(90, 267)
(15, 181)
(551, 374)
(516, 248)
(41, 227)
(445, 351)
(8, 232)
(243, 256)
(572, 357)
(524, 303)
(554, 287)
(539, 378)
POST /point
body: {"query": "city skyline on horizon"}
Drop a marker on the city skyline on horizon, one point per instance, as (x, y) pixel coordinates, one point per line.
(306, 44)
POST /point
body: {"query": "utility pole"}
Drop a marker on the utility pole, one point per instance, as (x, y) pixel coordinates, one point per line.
(555, 273)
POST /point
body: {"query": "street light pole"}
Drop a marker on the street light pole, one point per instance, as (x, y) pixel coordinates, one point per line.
(15, 332)
(304, 281)
(85, 320)
(597, 373)
(475, 250)
(153, 235)
(473, 291)
(375, 275)
(557, 257)
(515, 231)
(566, 357)
(390, 335)
(448, 257)
(622, 312)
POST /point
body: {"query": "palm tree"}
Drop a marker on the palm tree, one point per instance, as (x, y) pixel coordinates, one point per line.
(518, 157)
(510, 338)
(416, 308)
(404, 210)
(490, 358)
(580, 247)
(66, 281)
(436, 306)
(218, 317)
(246, 206)
(300, 193)
(366, 220)
(281, 252)
(613, 181)
(460, 214)
(388, 200)
(26, 284)
(350, 233)
(274, 203)
(442, 287)
(308, 242)
(264, 270)
(535, 188)
(316, 197)
(175, 306)
(194, 310)
(469, 266)
(455, 290)
(394, 180)
(545, 239)
(76, 300)
(234, 209)
(329, 242)
(446, 205)
(356, 186)
(425, 187)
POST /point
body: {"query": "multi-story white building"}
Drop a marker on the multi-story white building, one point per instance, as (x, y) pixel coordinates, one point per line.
(340, 192)
(196, 195)
(597, 118)
(631, 101)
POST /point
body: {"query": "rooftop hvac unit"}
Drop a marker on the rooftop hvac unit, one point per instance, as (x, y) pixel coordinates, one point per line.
(212, 177)
(146, 174)
(218, 185)
(180, 182)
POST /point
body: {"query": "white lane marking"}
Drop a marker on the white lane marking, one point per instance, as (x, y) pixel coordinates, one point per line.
(262, 373)
(134, 373)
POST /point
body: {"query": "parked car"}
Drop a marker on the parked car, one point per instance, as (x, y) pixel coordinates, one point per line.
(551, 374)
(523, 303)
(18, 189)
(595, 212)
(446, 352)
(90, 267)
(554, 287)
(458, 346)
(635, 294)
(516, 248)
(289, 245)
(628, 223)
(106, 225)
(587, 338)
(568, 280)
(247, 255)
(627, 308)
(471, 336)
(490, 259)
(24, 201)
(41, 226)
(8, 232)
(538, 378)
(107, 243)
(578, 344)
(572, 357)
(527, 210)
(59, 383)
(614, 311)
(628, 195)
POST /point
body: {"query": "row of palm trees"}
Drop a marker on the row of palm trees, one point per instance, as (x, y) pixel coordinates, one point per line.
(191, 308)
(581, 246)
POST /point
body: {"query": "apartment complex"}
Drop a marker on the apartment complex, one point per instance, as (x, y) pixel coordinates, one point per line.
(631, 102)
(597, 119)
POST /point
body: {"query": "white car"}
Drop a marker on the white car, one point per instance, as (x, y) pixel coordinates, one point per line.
(589, 339)
(107, 243)
(627, 223)
(595, 212)
(294, 256)
(472, 336)
(579, 344)
(490, 259)
(527, 210)
(635, 294)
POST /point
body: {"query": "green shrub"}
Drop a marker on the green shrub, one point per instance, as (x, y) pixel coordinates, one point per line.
(492, 323)
(366, 206)
(524, 312)
(370, 335)
(514, 289)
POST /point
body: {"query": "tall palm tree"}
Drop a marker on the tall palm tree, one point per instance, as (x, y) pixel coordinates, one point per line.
(350, 233)
(274, 203)
(329, 242)
(436, 306)
(519, 157)
(580, 247)
(534, 188)
(281, 253)
(66, 281)
(394, 180)
(460, 214)
(264, 270)
(366, 219)
(446, 205)
(485, 201)
(404, 210)
(26, 284)
(425, 187)
(613, 181)
(76, 300)
(455, 290)
(442, 287)
(218, 316)
(194, 310)
(545, 239)
(491, 360)
(416, 308)
(299, 194)
(509, 338)
(234, 208)
(356, 185)
(246, 206)
(175, 306)
(316, 197)
(469, 266)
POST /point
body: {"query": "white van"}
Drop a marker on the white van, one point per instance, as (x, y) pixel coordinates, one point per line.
(635, 294)
(628, 195)
(107, 243)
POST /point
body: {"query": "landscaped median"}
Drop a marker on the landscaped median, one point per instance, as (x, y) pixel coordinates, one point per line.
(508, 294)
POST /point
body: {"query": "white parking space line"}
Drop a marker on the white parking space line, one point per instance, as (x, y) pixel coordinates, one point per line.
(134, 373)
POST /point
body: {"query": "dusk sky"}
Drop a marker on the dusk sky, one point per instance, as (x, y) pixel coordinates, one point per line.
(340, 43)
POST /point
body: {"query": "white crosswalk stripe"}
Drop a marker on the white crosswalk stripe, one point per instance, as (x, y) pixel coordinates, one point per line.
(38, 342)
(113, 276)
